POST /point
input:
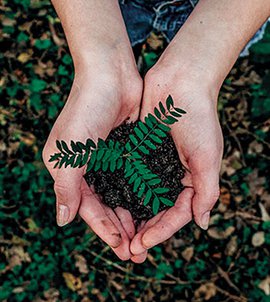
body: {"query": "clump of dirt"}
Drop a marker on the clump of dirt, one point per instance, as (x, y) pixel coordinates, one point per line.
(114, 188)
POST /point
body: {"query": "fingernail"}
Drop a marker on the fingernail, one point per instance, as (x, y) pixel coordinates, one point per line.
(117, 240)
(205, 220)
(145, 245)
(63, 215)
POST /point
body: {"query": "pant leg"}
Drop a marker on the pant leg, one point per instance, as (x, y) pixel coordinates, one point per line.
(138, 20)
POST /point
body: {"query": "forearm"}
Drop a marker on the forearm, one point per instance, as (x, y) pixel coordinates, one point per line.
(213, 36)
(94, 29)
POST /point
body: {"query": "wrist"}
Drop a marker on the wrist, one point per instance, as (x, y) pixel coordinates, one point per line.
(104, 56)
(185, 80)
(95, 31)
(112, 77)
(193, 70)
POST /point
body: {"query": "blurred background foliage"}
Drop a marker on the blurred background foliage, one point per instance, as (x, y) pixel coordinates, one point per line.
(41, 262)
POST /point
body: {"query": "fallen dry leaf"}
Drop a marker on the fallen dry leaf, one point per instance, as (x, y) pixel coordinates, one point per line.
(258, 239)
(32, 226)
(266, 198)
(72, 282)
(56, 39)
(18, 290)
(206, 291)
(52, 295)
(216, 233)
(232, 246)
(24, 57)
(16, 255)
(231, 164)
(16, 240)
(8, 22)
(255, 147)
(28, 138)
(225, 196)
(265, 215)
(86, 299)
(188, 253)
(265, 285)
(81, 264)
(256, 183)
(25, 26)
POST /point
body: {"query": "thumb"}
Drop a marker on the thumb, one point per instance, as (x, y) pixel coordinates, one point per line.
(67, 189)
(206, 187)
(67, 185)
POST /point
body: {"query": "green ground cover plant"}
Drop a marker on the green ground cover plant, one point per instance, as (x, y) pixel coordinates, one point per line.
(40, 262)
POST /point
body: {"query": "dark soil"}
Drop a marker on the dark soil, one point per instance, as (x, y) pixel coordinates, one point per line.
(114, 188)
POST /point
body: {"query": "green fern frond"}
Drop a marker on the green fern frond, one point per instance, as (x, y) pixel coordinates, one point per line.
(119, 163)
(154, 128)
(144, 150)
(144, 183)
(112, 155)
(144, 137)
(155, 139)
(76, 155)
(155, 206)
(166, 201)
(147, 197)
(55, 157)
(143, 127)
(170, 115)
(92, 160)
(108, 155)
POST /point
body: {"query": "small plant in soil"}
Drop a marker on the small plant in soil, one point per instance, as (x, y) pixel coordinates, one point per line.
(136, 167)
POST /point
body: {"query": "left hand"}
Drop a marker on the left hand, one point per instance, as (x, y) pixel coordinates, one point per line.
(199, 142)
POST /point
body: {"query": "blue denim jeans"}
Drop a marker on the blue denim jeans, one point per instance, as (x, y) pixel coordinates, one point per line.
(166, 16)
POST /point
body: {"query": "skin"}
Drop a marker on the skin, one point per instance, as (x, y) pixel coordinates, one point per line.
(192, 69)
(107, 90)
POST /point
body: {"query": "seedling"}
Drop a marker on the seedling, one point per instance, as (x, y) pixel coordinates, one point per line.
(111, 155)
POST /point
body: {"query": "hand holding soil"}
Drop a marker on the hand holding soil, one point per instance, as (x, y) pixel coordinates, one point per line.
(191, 69)
(94, 107)
(199, 142)
(199, 149)
(131, 167)
(127, 190)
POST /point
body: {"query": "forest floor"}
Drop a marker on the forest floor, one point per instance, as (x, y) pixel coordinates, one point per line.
(40, 262)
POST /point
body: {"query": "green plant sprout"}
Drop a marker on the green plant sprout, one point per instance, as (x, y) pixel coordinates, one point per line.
(113, 155)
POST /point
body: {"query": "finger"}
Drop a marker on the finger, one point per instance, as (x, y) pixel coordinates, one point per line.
(93, 213)
(206, 187)
(139, 258)
(136, 246)
(126, 221)
(122, 251)
(67, 187)
(172, 221)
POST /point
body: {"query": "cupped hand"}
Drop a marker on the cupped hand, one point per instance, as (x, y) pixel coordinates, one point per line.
(199, 142)
(98, 102)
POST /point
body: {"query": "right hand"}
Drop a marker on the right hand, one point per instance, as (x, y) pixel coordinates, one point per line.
(198, 139)
(100, 100)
